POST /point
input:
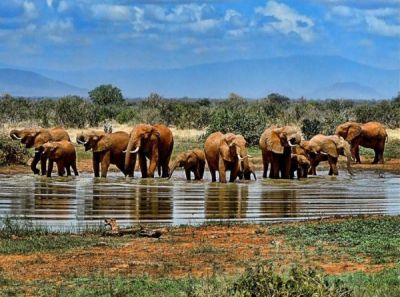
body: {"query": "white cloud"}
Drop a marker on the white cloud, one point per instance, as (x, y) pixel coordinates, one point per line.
(30, 10)
(49, 3)
(112, 12)
(384, 21)
(57, 30)
(286, 20)
(62, 6)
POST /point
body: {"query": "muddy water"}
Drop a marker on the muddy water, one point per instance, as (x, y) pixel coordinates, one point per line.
(71, 202)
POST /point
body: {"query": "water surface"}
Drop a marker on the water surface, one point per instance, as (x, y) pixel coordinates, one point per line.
(69, 202)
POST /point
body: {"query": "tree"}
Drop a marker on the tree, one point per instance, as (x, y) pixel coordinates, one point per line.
(106, 95)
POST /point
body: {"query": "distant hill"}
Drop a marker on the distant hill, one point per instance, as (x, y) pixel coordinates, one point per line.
(31, 84)
(347, 90)
(295, 76)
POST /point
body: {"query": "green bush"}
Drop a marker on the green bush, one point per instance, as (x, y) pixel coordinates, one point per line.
(12, 152)
(265, 281)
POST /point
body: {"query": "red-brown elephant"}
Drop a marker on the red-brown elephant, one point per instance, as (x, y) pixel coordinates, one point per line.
(152, 142)
(227, 152)
(192, 161)
(35, 138)
(370, 135)
(276, 145)
(64, 154)
(108, 148)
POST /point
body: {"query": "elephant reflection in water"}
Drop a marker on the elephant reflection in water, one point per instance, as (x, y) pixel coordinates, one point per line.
(54, 199)
(145, 200)
(226, 201)
(279, 203)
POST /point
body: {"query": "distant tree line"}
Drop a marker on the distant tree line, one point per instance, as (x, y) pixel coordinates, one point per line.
(234, 114)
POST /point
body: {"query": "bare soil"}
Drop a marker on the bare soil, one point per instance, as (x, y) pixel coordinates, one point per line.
(183, 251)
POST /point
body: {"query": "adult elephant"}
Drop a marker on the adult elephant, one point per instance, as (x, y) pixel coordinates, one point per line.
(227, 152)
(192, 161)
(108, 148)
(322, 147)
(370, 135)
(276, 145)
(35, 138)
(152, 142)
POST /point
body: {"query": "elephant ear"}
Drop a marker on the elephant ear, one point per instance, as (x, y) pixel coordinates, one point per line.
(41, 137)
(274, 143)
(353, 132)
(102, 143)
(330, 147)
(225, 145)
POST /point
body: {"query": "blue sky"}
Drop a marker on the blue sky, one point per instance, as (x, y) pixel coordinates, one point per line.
(86, 34)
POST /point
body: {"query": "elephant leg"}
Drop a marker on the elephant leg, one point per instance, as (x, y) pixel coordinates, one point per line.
(68, 167)
(131, 169)
(355, 151)
(200, 168)
(187, 173)
(333, 166)
(274, 172)
(285, 163)
(265, 159)
(104, 163)
(378, 157)
(96, 164)
(143, 165)
(213, 175)
(43, 161)
(50, 168)
(73, 165)
(196, 172)
(60, 168)
(153, 163)
(234, 175)
(35, 160)
(221, 171)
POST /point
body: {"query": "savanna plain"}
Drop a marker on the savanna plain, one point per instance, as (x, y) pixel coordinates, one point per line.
(336, 256)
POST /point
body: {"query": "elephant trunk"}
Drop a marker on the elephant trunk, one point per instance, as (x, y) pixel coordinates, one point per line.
(172, 169)
(348, 165)
(128, 155)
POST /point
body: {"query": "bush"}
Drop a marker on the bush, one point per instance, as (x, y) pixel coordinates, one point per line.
(12, 152)
(264, 281)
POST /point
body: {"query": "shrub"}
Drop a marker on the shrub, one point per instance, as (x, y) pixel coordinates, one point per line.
(264, 281)
(12, 152)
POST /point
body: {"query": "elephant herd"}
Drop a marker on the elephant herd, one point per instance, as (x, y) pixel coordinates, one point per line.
(284, 151)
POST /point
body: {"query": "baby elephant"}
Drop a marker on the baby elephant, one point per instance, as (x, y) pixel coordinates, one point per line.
(63, 153)
(301, 164)
(192, 161)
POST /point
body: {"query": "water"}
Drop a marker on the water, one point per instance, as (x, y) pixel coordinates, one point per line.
(69, 202)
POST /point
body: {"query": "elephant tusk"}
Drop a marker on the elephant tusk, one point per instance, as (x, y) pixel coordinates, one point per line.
(291, 144)
(16, 137)
(81, 142)
(240, 158)
(323, 153)
(135, 151)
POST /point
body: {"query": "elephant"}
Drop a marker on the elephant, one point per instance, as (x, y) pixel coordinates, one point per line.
(370, 135)
(153, 142)
(322, 147)
(63, 153)
(192, 161)
(246, 175)
(299, 164)
(227, 152)
(108, 148)
(35, 138)
(276, 145)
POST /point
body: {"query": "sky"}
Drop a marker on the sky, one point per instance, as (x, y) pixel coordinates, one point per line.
(76, 35)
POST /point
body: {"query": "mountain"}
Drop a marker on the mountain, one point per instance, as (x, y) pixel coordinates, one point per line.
(347, 90)
(31, 84)
(294, 76)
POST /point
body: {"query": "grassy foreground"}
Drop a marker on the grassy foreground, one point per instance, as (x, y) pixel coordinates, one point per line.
(336, 257)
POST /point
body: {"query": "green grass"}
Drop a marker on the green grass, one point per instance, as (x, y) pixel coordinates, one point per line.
(378, 238)
(23, 237)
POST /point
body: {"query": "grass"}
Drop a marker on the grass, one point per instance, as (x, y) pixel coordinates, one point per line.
(23, 237)
(375, 238)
